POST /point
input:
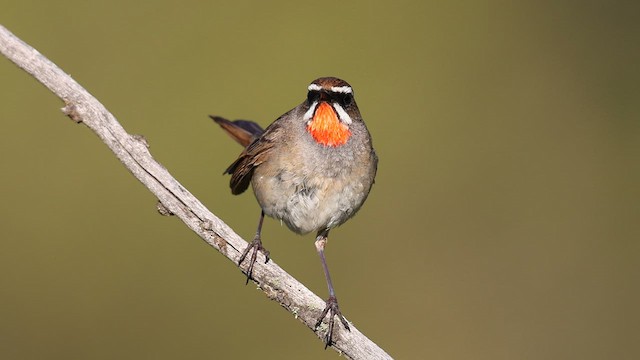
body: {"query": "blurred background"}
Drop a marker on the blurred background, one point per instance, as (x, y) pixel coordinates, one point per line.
(504, 222)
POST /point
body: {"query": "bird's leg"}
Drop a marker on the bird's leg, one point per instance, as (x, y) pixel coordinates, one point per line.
(256, 245)
(331, 306)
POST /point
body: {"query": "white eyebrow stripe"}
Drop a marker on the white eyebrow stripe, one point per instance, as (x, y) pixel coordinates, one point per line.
(339, 89)
(309, 114)
(342, 89)
(344, 117)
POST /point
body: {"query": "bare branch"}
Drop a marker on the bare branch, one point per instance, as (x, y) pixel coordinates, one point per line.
(133, 152)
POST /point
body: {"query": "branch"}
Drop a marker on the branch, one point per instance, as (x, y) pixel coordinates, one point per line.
(133, 152)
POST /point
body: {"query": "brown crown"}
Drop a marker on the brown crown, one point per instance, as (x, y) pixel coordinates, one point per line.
(329, 82)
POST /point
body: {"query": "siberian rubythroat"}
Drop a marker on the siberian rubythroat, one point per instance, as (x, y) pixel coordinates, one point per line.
(312, 169)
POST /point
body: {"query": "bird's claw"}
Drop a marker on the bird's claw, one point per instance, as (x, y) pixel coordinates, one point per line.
(256, 245)
(332, 309)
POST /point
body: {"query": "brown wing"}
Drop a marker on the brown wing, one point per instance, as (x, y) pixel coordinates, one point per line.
(255, 154)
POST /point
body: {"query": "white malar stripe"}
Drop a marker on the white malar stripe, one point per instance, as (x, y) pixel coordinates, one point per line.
(315, 87)
(344, 117)
(342, 89)
(309, 114)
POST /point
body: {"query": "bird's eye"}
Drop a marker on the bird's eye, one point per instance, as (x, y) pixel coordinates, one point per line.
(346, 99)
(312, 96)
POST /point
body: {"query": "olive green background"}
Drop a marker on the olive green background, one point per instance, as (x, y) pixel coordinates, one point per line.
(504, 221)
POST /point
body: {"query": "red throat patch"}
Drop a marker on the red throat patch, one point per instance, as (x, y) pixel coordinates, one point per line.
(326, 128)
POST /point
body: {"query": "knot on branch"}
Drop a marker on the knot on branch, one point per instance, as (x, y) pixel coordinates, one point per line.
(163, 209)
(140, 139)
(71, 110)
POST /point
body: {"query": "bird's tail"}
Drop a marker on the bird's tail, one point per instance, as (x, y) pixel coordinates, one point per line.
(242, 131)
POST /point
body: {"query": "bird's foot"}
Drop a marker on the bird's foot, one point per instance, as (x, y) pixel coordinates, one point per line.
(332, 309)
(256, 245)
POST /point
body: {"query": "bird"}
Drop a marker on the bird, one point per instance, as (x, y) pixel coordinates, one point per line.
(312, 169)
